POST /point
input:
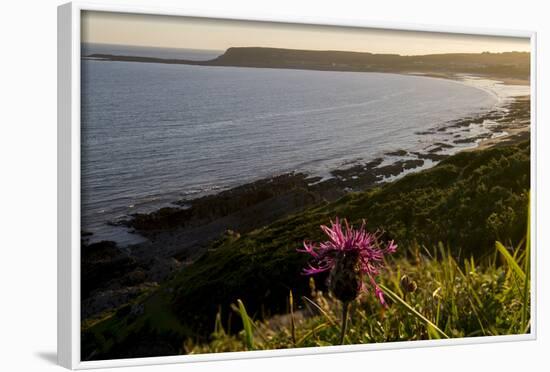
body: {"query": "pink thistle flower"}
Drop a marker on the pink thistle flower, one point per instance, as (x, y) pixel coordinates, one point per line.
(349, 255)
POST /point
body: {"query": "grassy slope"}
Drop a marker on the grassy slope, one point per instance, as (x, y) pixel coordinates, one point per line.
(467, 202)
(453, 299)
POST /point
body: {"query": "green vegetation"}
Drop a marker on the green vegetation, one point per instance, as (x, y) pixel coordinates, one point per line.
(508, 64)
(445, 220)
(452, 299)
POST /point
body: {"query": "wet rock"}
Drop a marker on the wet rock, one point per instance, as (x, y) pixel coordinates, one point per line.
(397, 153)
(430, 156)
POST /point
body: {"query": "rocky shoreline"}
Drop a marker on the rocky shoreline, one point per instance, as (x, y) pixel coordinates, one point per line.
(176, 236)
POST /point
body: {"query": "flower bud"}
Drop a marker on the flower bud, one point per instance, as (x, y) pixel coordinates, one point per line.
(346, 279)
(407, 284)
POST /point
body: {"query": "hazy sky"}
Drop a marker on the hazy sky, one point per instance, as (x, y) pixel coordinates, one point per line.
(215, 34)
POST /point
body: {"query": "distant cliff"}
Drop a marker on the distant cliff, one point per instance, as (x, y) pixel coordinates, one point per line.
(507, 64)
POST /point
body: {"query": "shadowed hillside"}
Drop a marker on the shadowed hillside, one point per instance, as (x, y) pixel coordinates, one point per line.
(508, 64)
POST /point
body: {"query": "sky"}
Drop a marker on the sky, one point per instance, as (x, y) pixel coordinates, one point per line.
(217, 34)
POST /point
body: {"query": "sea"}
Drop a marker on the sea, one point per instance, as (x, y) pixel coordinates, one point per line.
(153, 134)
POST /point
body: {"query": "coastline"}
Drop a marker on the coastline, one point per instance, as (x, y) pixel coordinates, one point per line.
(413, 160)
(455, 76)
(517, 127)
(517, 130)
(507, 122)
(511, 65)
(178, 236)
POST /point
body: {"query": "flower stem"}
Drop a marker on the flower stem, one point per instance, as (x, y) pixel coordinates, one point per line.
(345, 310)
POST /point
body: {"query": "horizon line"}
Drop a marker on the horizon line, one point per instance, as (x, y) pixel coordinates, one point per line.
(297, 49)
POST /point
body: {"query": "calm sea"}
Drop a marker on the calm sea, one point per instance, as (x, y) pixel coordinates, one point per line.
(156, 133)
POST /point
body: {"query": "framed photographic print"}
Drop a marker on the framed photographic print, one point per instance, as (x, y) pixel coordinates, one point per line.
(235, 188)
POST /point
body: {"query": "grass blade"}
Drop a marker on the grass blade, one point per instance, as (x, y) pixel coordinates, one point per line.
(413, 311)
(311, 332)
(327, 316)
(292, 322)
(249, 337)
(527, 269)
(510, 260)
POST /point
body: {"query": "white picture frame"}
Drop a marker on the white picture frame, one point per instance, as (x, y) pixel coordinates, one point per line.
(69, 186)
